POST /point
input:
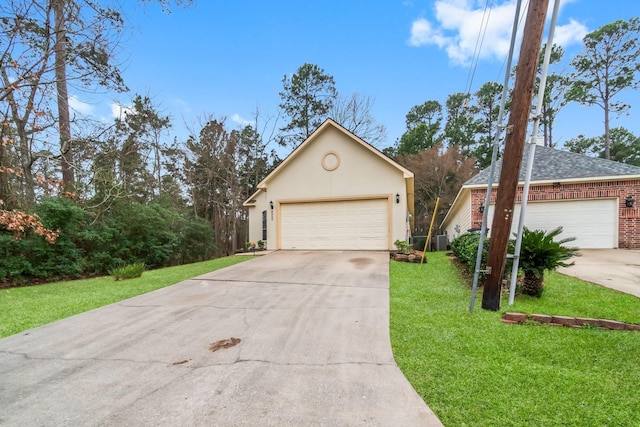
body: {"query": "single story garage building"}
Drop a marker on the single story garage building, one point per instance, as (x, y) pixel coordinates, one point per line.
(593, 199)
(333, 192)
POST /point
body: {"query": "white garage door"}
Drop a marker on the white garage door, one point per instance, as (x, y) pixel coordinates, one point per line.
(339, 225)
(593, 222)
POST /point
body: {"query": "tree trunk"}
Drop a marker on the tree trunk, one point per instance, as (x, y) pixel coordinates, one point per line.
(607, 135)
(533, 285)
(64, 122)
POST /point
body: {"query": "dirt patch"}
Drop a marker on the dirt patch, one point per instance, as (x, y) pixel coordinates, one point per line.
(227, 343)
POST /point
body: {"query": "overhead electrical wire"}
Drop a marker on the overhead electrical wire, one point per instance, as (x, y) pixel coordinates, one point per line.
(482, 31)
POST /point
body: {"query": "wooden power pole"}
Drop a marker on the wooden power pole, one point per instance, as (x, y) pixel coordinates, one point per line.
(512, 157)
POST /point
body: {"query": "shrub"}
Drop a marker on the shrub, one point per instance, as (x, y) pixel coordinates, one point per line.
(125, 233)
(402, 246)
(465, 248)
(129, 271)
(540, 252)
(32, 257)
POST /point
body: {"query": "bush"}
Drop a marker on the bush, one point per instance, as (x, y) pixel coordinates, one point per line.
(130, 271)
(402, 246)
(465, 248)
(541, 252)
(125, 233)
(135, 233)
(32, 257)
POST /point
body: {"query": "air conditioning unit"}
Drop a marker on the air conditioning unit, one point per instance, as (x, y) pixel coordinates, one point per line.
(442, 241)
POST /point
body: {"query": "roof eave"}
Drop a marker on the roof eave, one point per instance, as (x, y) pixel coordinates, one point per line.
(406, 173)
(564, 181)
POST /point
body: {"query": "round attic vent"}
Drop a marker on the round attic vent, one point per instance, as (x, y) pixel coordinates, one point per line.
(330, 161)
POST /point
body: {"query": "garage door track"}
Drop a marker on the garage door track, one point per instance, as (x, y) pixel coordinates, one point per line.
(288, 339)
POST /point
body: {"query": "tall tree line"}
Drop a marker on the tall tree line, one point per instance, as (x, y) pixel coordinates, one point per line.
(63, 176)
(466, 124)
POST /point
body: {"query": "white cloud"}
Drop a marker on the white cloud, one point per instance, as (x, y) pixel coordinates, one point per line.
(79, 106)
(460, 23)
(422, 33)
(573, 32)
(239, 120)
(118, 110)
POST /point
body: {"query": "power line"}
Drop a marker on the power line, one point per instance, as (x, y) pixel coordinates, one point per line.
(482, 31)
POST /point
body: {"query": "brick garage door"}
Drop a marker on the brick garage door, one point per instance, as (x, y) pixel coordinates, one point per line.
(335, 225)
(594, 222)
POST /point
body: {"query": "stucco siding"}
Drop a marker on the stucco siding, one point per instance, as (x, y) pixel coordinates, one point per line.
(460, 220)
(336, 168)
(332, 170)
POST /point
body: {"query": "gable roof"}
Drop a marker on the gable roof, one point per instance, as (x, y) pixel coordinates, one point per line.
(407, 174)
(331, 123)
(550, 164)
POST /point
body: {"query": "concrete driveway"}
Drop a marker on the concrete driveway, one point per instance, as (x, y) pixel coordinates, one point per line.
(314, 350)
(614, 268)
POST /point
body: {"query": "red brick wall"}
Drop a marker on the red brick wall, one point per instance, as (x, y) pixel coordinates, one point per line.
(628, 218)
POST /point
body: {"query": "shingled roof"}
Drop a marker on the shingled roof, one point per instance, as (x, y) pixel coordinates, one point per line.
(550, 164)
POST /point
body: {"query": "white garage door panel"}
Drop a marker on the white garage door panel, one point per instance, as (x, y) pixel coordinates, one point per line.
(593, 222)
(344, 225)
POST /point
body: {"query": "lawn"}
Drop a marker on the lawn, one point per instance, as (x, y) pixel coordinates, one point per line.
(31, 306)
(473, 370)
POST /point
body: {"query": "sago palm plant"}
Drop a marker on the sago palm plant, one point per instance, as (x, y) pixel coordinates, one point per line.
(540, 252)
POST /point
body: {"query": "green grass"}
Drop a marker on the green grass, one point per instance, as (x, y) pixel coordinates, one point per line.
(473, 370)
(28, 307)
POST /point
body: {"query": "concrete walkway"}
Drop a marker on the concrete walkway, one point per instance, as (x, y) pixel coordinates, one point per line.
(614, 268)
(314, 350)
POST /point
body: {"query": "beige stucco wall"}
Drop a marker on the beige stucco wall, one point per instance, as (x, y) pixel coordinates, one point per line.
(459, 221)
(360, 173)
(255, 218)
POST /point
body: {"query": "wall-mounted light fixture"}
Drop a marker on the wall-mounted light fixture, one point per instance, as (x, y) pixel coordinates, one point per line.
(271, 204)
(629, 201)
(481, 208)
(397, 197)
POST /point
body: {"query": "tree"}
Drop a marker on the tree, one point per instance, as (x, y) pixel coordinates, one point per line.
(138, 135)
(211, 169)
(583, 145)
(461, 126)
(307, 98)
(253, 160)
(354, 113)
(47, 44)
(438, 172)
(625, 146)
(423, 124)
(488, 107)
(64, 122)
(608, 66)
(554, 94)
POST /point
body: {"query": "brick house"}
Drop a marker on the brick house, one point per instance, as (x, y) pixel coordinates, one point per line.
(593, 199)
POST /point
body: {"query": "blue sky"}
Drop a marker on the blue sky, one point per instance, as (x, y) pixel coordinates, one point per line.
(227, 59)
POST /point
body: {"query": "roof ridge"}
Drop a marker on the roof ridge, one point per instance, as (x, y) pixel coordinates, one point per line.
(553, 164)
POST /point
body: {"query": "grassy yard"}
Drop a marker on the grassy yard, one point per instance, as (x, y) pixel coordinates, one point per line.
(473, 370)
(28, 307)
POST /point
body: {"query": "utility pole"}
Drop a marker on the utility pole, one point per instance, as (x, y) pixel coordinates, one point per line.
(512, 157)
